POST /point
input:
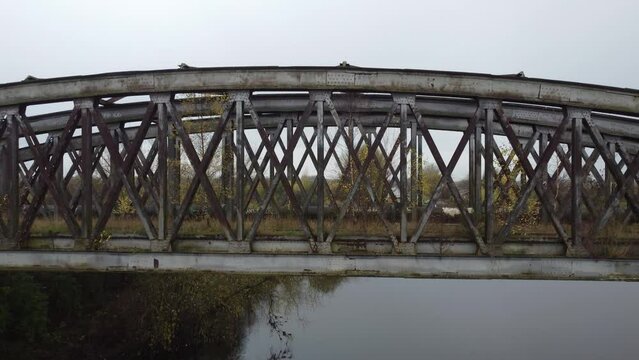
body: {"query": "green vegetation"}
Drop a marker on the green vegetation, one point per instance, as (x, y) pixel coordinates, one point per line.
(165, 316)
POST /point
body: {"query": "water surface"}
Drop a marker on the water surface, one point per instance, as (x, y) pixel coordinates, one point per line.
(381, 318)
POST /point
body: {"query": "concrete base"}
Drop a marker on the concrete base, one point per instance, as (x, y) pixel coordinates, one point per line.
(405, 248)
(281, 245)
(239, 247)
(349, 265)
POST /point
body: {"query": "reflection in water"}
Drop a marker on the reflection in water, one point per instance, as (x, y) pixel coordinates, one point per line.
(215, 316)
(166, 316)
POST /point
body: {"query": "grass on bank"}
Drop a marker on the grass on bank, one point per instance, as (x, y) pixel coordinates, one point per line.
(289, 226)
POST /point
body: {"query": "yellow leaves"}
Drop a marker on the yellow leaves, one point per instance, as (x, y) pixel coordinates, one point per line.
(124, 205)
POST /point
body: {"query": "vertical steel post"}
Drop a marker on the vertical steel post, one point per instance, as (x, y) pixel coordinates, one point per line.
(522, 173)
(413, 168)
(116, 138)
(87, 108)
(290, 169)
(59, 177)
(476, 180)
(10, 171)
(472, 169)
(488, 173)
(161, 171)
(543, 145)
(575, 189)
(420, 172)
(271, 165)
(609, 179)
(4, 166)
(131, 174)
(240, 170)
(320, 169)
(227, 170)
(403, 187)
(174, 175)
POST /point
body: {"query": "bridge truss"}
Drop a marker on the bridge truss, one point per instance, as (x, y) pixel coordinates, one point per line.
(320, 160)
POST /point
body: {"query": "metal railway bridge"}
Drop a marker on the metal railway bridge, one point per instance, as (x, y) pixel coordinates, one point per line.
(320, 170)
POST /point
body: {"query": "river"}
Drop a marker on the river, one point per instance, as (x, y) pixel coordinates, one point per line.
(226, 317)
(381, 318)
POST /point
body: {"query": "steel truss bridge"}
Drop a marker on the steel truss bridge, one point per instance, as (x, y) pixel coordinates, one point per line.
(323, 156)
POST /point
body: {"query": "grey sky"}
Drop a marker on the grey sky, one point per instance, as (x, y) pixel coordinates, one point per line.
(586, 41)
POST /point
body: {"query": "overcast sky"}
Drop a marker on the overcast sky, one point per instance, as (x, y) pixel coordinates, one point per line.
(586, 41)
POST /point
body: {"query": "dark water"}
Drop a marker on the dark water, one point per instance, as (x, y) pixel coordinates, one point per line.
(214, 316)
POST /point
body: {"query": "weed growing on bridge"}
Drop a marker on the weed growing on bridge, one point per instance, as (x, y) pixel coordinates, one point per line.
(101, 240)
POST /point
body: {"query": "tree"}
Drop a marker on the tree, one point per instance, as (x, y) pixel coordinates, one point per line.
(199, 112)
(507, 192)
(428, 178)
(379, 179)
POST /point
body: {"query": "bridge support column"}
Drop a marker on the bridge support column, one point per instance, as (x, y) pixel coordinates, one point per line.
(162, 137)
(609, 180)
(86, 107)
(420, 172)
(488, 113)
(165, 157)
(320, 170)
(320, 97)
(10, 192)
(119, 135)
(577, 117)
(239, 165)
(522, 173)
(415, 162)
(471, 174)
(59, 176)
(174, 176)
(227, 171)
(474, 182)
(404, 102)
(543, 144)
(290, 167)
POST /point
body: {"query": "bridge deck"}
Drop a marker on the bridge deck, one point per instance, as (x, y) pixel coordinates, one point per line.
(349, 265)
